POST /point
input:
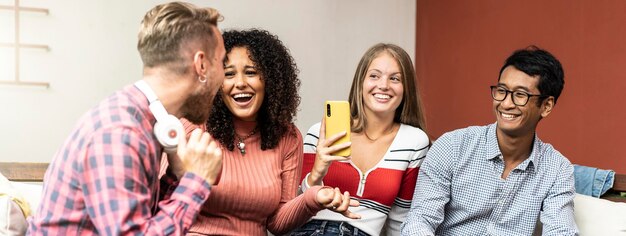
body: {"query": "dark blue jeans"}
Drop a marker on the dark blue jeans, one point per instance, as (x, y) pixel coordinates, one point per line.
(327, 228)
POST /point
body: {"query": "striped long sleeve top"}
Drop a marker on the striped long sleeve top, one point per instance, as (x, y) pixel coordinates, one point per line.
(385, 191)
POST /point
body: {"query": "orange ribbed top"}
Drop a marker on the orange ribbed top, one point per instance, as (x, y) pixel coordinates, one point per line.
(257, 191)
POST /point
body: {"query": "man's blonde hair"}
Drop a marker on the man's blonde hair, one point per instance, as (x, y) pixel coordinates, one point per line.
(167, 27)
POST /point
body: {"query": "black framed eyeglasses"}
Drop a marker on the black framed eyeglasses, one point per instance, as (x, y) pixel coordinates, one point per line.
(520, 98)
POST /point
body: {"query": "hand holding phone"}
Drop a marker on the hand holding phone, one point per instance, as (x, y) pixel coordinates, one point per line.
(334, 140)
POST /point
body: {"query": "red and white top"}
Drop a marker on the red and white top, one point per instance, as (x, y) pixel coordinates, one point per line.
(385, 191)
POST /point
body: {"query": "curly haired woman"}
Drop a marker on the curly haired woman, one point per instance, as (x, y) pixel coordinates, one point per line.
(262, 160)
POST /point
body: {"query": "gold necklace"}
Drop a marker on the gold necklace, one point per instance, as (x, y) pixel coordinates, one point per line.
(385, 133)
(241, 145)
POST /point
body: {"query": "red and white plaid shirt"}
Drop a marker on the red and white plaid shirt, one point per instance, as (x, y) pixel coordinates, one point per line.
(104, 180)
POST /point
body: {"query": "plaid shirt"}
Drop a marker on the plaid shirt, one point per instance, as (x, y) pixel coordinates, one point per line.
(460, 191)
(104, 180)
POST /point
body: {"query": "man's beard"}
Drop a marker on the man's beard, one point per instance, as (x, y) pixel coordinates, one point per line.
(197, 107)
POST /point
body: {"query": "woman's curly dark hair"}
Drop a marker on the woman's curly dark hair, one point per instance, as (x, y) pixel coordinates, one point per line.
(280, 74)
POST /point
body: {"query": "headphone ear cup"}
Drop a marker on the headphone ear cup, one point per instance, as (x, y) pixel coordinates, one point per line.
(168, 131)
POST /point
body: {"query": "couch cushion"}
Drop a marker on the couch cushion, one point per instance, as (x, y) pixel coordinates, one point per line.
(596, 216)
(12, 220)
(31, 193)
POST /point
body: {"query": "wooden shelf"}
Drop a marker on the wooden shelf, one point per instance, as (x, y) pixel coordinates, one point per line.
(25, 83)
(25, 45)
(17, 44)
(23, 172)
(20, 8)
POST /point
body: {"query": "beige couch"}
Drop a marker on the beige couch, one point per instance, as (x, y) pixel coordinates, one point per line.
(594, 216)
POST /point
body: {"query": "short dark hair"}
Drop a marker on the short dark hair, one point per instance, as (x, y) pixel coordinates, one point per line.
(279, 72)
(535, 61)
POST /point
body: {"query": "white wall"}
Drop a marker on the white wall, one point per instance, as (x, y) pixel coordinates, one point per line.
(93, 53)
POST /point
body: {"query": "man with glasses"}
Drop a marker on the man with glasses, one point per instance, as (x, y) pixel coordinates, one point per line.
(501, 178)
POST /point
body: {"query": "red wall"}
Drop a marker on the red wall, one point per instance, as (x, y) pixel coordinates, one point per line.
(461, 45)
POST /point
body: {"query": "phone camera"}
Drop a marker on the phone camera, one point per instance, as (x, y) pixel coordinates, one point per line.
(328, 110)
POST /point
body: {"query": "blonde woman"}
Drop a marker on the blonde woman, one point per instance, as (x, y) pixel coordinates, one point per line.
(388, 144)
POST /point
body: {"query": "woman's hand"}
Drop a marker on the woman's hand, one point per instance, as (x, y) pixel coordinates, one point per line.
(333, 200)
(323, 156)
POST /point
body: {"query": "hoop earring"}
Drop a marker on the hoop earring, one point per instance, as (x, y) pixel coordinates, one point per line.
(202, 79)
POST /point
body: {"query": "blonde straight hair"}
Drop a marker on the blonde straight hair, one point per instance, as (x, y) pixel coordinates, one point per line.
(410, 111)
(167, 28)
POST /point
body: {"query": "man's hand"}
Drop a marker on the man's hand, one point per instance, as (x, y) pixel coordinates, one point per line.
(333, 200)
(175, 165)
(200, 155)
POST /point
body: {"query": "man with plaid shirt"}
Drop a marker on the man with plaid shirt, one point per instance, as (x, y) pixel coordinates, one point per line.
(105, 178)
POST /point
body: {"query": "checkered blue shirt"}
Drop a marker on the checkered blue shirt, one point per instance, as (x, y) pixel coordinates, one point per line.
(460, 191)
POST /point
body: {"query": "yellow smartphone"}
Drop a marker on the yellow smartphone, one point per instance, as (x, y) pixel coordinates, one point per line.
(337, 115)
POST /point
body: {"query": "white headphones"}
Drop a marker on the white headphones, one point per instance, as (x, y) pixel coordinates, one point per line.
(167, 128)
